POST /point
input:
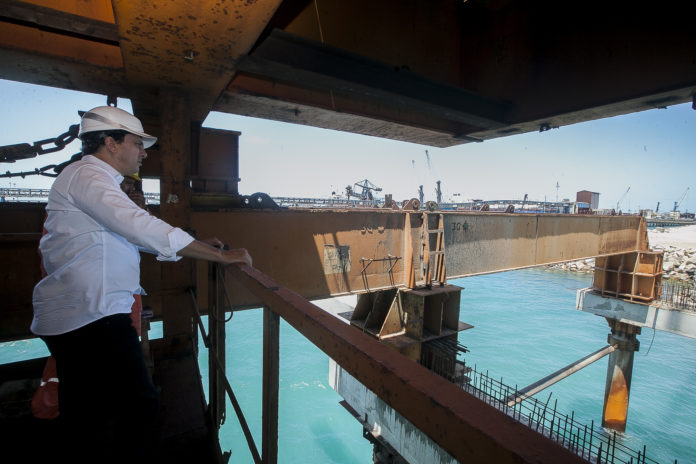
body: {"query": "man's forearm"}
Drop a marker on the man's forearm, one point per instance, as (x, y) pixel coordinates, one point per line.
(200, 250)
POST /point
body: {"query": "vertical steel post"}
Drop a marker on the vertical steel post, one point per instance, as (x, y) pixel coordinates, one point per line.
(175, 206)
(619, 373)
(271, 337)
(216, 336)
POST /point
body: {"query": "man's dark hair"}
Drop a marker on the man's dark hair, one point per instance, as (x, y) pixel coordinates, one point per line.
(91, 141)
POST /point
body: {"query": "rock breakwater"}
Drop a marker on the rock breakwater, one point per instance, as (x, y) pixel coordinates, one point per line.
(678, 245)
(677, 264)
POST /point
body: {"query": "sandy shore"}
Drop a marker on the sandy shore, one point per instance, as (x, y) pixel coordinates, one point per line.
(679, 247)
(679, 237)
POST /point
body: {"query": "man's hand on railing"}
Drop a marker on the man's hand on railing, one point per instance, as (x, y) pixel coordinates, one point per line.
(237, 255)
(212, 249)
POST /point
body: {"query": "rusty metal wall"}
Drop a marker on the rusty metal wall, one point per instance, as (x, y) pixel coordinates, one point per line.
(319, 253)
(20, 231)
(483, 243)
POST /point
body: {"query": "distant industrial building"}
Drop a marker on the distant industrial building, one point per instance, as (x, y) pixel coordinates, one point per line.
(587, 200)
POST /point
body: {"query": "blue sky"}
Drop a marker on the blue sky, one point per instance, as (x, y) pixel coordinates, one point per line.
(652, 152)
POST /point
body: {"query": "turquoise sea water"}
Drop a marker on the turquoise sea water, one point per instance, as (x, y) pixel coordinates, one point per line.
(526, 327)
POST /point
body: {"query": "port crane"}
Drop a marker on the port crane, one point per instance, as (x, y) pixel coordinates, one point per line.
(366, 188)
(618, 203)
(677, 204)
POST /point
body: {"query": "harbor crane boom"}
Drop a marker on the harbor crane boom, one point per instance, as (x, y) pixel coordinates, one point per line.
(618, 203)
(677, 204)
(366, 187)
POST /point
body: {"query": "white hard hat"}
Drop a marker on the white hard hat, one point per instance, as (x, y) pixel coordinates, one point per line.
(105, 118)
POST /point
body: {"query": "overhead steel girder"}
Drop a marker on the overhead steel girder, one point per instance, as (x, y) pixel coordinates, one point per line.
(95, 25)
(73, 45)
(319, 253)
(189, 46)
(284, 57)
(549, 67)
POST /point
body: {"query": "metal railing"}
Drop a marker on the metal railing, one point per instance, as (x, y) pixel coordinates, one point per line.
(217, 369)
(469, 429)
(471, 419)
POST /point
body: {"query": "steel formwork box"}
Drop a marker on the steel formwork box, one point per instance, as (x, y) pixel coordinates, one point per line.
(407, 318)
(633, 276)
(439, 307)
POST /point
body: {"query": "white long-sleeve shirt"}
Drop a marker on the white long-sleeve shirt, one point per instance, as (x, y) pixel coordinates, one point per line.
(91, 248)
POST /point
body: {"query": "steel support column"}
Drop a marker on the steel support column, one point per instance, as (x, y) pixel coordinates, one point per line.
(175, 206)
(216, 341)
(619, 373)
(271, 341)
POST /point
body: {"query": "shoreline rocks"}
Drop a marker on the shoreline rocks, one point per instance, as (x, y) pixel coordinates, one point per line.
(677, 263)
(583, 266)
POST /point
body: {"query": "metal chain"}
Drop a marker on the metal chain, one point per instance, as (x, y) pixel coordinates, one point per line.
(12, 153)
(57, 168)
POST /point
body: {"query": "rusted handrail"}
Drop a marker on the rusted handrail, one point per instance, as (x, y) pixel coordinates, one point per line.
(463, 425)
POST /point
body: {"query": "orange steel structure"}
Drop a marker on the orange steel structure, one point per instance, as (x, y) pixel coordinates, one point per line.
(439, 73)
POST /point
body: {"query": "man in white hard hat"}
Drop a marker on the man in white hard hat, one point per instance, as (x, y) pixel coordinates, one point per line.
(81, 307)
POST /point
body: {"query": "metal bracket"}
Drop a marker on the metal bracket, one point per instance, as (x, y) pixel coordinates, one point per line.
(372, 260)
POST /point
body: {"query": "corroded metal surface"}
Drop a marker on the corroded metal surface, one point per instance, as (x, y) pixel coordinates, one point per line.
(479, 243)
(619, 373)
(426, 72)
(319, 253)
(328, 245)
(191, 46)
(316, 253)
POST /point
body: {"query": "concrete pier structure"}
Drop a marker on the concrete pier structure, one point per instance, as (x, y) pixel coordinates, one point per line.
(655, 315)
(626, 319)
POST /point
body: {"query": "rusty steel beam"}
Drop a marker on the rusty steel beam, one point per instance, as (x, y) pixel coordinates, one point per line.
(348, 251)
(485, 243)
(320, 253)
(49, 19)
(464, 426)
(271, 366)
(289, 58)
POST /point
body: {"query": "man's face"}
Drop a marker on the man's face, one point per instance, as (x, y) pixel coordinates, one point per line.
(129, 154)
